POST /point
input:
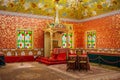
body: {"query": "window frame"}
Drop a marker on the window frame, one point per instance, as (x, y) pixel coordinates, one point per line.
(24, 39)
(70, 31)
(86, 38)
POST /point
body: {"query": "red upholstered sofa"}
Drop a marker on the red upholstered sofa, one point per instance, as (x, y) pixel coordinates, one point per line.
(54, 59)
(11, 59)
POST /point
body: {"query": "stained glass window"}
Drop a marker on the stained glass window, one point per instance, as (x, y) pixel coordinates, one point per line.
(91, 39)
(24, 39)
(64, 40)
(70, 40)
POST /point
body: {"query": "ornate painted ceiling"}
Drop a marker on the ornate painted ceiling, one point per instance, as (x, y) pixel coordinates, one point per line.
(72, 9)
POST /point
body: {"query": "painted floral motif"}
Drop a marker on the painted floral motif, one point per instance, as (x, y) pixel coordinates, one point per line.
(68, 8)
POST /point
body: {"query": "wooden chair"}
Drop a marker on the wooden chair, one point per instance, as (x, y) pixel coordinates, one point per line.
(83, 62)
(71, 62)
(79, 52)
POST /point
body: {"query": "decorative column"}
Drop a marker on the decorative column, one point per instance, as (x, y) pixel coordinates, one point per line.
(51, 40)
(67, 40)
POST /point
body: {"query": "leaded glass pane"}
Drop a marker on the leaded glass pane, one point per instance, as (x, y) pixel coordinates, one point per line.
(28, 39)
(24, 39)
(20, 40)
(91, 39)
(70, 40)
(64, 40)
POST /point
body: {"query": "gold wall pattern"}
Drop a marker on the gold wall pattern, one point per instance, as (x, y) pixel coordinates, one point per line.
(107, 32)
(9, 25)
(67, 9)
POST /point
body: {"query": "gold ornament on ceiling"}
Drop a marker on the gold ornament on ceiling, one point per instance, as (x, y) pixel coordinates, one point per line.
(33, 5)
(72, 9)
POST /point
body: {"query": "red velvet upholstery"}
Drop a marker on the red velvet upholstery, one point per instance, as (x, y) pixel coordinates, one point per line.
(54, 59)
(54, 56)
(10, 59)
(72, 54)
(61, 56)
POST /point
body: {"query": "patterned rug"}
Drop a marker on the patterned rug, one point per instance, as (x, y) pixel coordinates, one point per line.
(95, 73)
(30, 71)
(38, 71)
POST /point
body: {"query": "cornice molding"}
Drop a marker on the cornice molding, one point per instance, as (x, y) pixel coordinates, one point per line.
(34, 16)
(24, 15)
(63, 19)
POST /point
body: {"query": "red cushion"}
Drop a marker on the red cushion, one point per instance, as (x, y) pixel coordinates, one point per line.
(72, 54)
(18, 58)
(44, 58)
(52, 60)
(54, 56)
(61, 56)
(84, 53)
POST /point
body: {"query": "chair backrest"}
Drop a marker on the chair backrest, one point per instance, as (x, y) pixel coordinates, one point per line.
(83, 58)
(72, 51)
(79, 52)
(72, 58)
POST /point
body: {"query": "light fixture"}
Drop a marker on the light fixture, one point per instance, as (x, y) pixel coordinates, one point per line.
(56, 23)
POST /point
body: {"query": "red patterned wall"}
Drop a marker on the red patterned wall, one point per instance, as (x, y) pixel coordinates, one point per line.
(107, 28)
(9, 25)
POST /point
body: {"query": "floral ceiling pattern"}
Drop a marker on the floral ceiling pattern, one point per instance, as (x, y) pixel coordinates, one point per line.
(72, 9)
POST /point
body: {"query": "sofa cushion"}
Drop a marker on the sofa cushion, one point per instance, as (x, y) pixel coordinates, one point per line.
(61, 56)
(44, 58)
(54, 56)
(52, 59)
(12, 59)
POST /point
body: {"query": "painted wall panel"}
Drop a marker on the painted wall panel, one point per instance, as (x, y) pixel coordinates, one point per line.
(107, 32)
